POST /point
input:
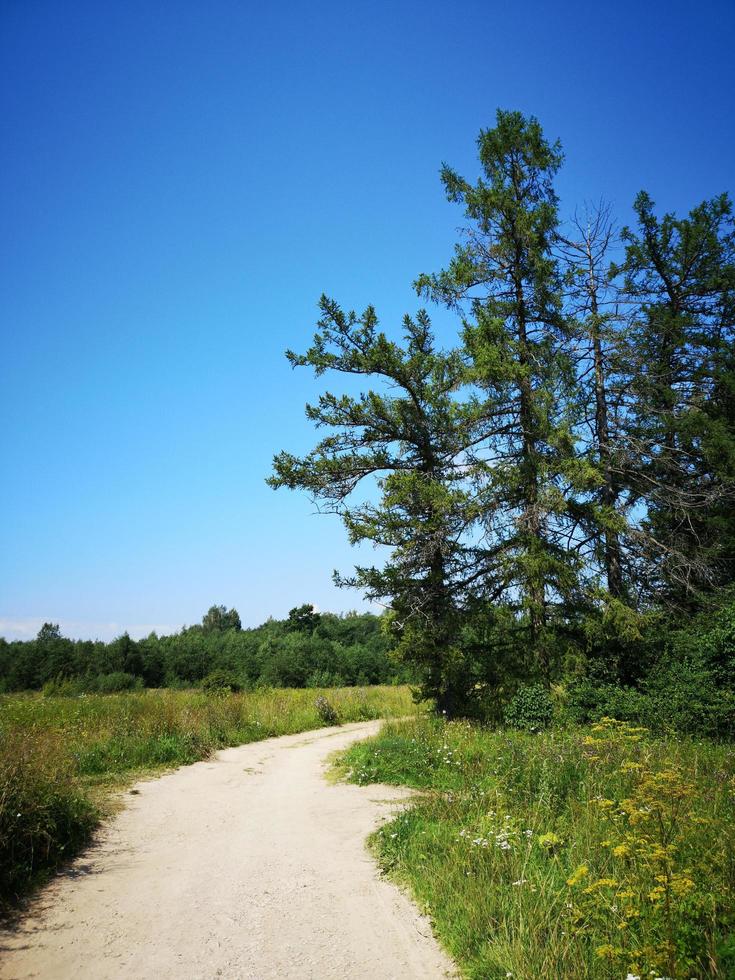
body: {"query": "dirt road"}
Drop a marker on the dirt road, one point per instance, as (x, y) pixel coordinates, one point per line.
(249, 865)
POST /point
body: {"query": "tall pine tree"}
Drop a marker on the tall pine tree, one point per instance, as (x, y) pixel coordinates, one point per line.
(591, 305)
(506, 280)
(678, 278)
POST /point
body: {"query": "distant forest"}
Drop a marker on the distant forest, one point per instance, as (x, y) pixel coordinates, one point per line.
(308, 649)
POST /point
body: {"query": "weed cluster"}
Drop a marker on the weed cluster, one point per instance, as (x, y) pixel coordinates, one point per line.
(327, 712)
(654, 901)
(44, 816)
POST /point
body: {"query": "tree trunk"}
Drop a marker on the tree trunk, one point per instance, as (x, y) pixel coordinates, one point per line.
(535, 586)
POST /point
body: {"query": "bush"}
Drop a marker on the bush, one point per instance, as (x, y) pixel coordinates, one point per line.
(589, 701)
(325, 678)
(530, 710)
(115, 682)
(678, 698)
(221, 680)
(684, 697)
(326, 711)
(63, 687)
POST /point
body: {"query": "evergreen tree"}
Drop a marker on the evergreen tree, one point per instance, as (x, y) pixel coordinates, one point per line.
(678, 278)
(505, 278)
(409, 436)
(590, 300)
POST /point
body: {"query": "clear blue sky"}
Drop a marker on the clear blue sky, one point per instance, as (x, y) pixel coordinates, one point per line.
(182, 180)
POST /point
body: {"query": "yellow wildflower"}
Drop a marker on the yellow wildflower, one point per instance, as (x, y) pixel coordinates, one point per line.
(605, 952)
(600, 883)
(578, 875)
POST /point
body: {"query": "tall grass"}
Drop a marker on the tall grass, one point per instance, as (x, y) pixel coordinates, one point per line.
(58, 755)
(595, 853)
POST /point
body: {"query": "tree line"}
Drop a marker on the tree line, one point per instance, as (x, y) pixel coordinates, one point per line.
(308, 649)
(557, 481)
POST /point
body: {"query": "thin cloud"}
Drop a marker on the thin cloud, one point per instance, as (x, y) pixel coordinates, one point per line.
(27, 629)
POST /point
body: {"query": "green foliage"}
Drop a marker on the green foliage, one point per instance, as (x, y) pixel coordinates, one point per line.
(530, 709)
(505, 279)
(406, 434)
(669, 674)
(675, 700)
(323, 678)
(49, 632)
(314, 649)
(62, 687)
(116, 681)
(221, 680)
(681, 697)
(303, 619)
(587, 701)
(681, 420)
(217, 618)
(541, 855)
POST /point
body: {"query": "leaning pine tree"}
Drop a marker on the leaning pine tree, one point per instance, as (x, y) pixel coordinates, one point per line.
(406, 437)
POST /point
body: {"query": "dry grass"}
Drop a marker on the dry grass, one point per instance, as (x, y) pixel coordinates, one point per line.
(62, 758)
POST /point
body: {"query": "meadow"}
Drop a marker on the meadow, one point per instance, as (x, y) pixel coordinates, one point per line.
(596, 852)
(64, 759)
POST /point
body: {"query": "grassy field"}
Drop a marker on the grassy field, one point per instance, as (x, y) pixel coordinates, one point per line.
(61, 758)
(597, 853)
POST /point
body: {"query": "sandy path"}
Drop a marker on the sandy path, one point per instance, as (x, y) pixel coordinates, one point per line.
(249, 865)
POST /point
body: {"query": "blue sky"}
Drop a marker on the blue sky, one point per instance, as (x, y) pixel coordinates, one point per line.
(180, 183)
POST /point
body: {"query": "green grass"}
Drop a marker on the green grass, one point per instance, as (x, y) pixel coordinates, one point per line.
(569, 854)
(61, 758)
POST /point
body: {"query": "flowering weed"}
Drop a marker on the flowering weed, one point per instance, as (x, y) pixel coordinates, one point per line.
(592, 853)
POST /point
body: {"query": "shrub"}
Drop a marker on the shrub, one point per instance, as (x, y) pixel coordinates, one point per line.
(684, 697)
(115, 682)
(531, 709)
(678, 697)
(325, 678)
(589, 701)
(221, 680)
(326, 711)
(63, 687)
